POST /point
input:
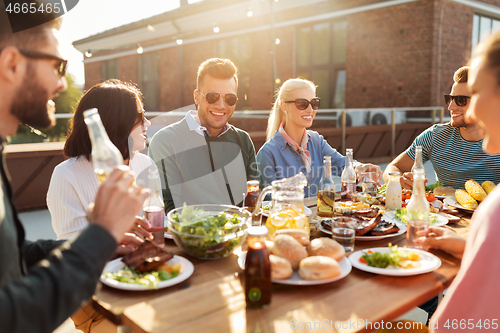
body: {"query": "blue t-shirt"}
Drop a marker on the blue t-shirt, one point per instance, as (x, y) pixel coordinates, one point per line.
(455, 159)
(277, 159)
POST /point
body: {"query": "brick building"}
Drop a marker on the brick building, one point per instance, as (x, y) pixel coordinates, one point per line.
(360, 53)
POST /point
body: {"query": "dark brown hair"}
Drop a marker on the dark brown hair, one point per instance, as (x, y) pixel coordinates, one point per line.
(30, 38)
(461, 75)
(120, 107)
(490, 49)
(217, 68)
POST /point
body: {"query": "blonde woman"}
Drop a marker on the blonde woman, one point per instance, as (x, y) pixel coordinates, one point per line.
(290, 147)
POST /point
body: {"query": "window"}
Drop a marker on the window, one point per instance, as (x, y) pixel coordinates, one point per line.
(238, 50)
(482, 28)
(110, 69)
(150, 80)
(321, 58)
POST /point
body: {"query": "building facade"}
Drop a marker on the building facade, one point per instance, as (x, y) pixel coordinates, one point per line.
(360, 53)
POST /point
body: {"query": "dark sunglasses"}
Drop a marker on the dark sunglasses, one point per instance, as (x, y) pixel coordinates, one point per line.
(60, 65)
(212, 97)
(459, 100)
(302, 103)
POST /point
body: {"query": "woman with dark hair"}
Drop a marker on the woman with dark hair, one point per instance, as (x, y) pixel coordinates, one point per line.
(74, 185)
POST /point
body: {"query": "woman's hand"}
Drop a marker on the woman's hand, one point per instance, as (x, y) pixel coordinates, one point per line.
(141, 228)
(368, 167)
(443, 239)
(406, 180)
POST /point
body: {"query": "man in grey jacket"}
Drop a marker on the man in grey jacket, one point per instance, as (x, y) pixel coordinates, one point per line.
(42, 283)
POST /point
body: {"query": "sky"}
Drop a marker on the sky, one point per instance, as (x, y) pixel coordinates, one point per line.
(90, 17)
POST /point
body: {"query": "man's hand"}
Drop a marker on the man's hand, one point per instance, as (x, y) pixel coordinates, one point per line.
(141, 228)
(117, 202)
(129, 243)
(406, 180)
(368, 167)
(443, 239)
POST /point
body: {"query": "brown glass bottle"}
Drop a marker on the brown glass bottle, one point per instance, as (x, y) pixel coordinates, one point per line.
(258, 285)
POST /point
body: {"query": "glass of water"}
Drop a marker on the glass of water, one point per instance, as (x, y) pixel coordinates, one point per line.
(345, 237)
(368, 183)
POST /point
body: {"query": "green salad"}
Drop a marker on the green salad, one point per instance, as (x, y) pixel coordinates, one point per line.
(429, 188)
(395, 257)
(401, 215)
(149, 279)
(198, 232)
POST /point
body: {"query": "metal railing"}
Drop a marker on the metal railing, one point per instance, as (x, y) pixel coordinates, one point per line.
(340, 115)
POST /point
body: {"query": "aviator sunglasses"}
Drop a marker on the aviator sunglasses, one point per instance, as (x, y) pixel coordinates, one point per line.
(459, 100)
(212, 97)
(302, 103)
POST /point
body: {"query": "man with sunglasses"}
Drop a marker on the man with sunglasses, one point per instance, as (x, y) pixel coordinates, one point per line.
(202, 158)
(42, 283)
(454, 148)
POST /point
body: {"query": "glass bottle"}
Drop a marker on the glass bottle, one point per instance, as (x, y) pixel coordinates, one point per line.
(326, 190)
(105, 155)
(153, 209)
(252, 194)
(258, 285)
(418, 165)
(393, 194)
(348, 178)
(417, 212)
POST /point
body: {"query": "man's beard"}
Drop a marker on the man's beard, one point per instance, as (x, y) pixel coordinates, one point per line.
(30, 103)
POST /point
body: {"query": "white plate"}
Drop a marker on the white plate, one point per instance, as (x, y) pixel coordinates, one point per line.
(187, 270)
(390, 216)
(454, 203)
(307, 211)
(428, 263)
(401, 226)
(345, 269)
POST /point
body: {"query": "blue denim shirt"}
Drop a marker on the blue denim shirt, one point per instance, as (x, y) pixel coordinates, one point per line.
(277, 159)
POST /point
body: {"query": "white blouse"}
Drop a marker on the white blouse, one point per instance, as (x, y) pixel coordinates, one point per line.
(73, 186)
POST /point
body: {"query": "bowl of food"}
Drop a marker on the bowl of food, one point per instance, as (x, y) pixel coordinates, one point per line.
(209, 232)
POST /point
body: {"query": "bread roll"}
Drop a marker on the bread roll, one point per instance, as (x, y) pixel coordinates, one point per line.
(300, 235)
(287, 247)
(280, 267)
(318, 268)
(444, 191)
(325, 247)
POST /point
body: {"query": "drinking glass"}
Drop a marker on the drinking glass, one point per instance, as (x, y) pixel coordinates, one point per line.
(368, 183)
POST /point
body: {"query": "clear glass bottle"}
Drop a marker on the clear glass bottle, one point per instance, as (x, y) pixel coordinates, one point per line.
(348, 178)
(393, 194)
(326, 190)
(105, 155)
(153, 209)
(417, 212)
(258, 285)
(418, 165)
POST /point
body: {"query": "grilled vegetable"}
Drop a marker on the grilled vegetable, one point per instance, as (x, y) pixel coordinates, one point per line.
(475, 190)
(465, 199)
(488, 186)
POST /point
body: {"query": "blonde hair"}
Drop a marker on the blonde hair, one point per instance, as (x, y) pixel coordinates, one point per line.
(277, 115)
(490, 50)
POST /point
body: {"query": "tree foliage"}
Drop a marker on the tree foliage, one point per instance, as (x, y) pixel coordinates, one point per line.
(65, 103)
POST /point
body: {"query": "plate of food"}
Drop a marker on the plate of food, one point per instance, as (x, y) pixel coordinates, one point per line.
(148, 267)
(296, 280)
(266, 208)
(399, 215)
(394, 261)
(368, 229)
(454, 203)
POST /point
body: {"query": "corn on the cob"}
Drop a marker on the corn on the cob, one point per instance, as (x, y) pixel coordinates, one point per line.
(465, 199)
(475, 190)
(488, 186)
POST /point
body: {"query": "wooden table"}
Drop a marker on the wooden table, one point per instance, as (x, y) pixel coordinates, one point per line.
(212, 299)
